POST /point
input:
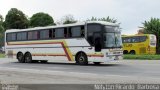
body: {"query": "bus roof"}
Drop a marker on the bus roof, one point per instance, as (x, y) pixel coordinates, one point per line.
(66, 25)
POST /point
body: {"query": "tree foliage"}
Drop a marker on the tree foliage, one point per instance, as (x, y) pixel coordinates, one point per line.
(16, 19)
(107, 19)
(67, 19)
(1, 24)
(153, 27)
(1, 31)
(41, 19)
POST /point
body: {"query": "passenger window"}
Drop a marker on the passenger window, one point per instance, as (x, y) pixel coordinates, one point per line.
(76, 31)
(11, 36)
(22, 36)
(33, 35)
(44, 34)
(59, 33)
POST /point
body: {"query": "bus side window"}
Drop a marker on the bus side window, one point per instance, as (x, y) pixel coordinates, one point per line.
(44, 34)
(76, 31)
(59, 32)
(11, 36)
(33, 35)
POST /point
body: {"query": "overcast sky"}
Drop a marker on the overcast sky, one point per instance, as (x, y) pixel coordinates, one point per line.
(130, 13)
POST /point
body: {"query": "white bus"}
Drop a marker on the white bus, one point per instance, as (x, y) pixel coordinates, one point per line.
(94, 41)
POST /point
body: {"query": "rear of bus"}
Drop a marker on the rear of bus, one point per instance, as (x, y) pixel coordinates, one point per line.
(152, 44)
(139, 44)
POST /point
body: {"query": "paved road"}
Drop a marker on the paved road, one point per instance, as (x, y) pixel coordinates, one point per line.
(125, 71)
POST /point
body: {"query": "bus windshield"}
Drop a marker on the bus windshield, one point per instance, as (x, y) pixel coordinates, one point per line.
(112, 37)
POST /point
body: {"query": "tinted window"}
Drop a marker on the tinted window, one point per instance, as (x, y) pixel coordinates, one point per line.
(143, 38)
(44, 34)
(59, 33)
(135, 39)
(76, 31)
(93, 28)
(33, 35)
(11, 36)
(22, 36)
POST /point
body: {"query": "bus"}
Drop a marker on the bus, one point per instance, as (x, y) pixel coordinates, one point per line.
(139, 44)
(93, 41)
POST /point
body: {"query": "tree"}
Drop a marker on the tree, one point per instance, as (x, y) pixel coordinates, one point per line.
(107, 19)
(16, 19)
(1, 31)
(67, 19)
(41, 19)
(153, 27)
(1, 24)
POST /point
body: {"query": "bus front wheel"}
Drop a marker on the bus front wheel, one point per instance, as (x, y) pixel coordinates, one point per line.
(28, 58)
(20, 57)
(82, 59)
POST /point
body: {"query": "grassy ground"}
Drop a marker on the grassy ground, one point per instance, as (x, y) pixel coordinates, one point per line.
(142, 57)
(2, 55)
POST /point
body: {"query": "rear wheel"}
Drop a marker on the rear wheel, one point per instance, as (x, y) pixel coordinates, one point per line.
(28, 58)
(132, 52)
(82, 59)
(20, 57)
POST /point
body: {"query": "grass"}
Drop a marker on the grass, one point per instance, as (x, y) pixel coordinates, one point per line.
(142, 57)
(2, 55)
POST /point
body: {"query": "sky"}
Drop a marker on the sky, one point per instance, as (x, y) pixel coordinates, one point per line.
(130, 13)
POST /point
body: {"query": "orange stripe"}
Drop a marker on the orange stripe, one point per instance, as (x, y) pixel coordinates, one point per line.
(62, 43)
(95, 55)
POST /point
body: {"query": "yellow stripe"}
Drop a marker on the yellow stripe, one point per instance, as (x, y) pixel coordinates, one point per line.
(68, 50)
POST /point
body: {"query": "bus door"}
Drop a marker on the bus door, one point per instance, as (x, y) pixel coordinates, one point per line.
(97, 38)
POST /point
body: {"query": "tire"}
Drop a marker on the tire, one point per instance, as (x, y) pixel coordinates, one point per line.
(132, 52)
(82, 59)
(28, 58)
(20, 57)
(44, 61)
(97, 63)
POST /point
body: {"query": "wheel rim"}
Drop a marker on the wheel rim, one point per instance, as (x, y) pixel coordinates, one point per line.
(81, 59)
(20, 56)
(28, 58)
